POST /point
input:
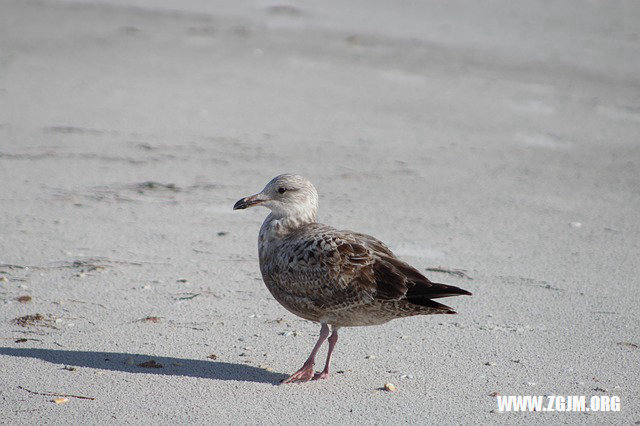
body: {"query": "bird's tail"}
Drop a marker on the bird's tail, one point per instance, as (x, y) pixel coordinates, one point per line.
(446, 290)
(428, 303)
(421, 294)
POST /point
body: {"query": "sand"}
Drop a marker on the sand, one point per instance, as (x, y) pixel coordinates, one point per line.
(498, 139)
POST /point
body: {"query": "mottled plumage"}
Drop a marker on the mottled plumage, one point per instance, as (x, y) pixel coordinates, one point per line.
(343, 278)
(339, 278)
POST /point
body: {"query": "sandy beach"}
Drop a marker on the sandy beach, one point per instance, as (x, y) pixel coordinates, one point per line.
(494, 146)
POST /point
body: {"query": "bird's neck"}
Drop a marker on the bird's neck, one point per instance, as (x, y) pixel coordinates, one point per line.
(277, 226)
(274, 229)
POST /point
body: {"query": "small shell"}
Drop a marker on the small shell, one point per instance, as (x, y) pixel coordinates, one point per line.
(60, 400)
(390, 387)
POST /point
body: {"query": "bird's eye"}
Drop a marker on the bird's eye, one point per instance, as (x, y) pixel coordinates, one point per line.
(282, 190)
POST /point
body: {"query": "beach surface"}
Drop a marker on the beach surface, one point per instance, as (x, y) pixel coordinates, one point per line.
(493, 146)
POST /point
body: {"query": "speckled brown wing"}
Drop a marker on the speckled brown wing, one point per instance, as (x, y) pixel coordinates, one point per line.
(319, 270)
(398, 281)
(394, 276)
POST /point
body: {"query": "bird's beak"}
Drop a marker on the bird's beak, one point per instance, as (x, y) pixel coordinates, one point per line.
(253, 200)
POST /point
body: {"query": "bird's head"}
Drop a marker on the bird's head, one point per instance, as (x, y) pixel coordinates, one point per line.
(286, 195)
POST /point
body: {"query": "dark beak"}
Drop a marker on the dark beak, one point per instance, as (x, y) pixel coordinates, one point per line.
(245, 202)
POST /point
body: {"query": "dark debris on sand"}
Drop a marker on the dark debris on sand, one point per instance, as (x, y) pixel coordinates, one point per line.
(35, 320)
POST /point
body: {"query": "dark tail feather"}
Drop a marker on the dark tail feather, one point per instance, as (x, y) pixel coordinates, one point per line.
(428, 303)
(434, 291)
(421, 286)
(451, 290)
(422, 293)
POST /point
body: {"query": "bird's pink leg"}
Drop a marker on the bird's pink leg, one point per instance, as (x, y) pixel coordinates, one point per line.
(332, 343)
(306, 372)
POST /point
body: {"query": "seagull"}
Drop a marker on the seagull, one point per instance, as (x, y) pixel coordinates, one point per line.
(333, 277)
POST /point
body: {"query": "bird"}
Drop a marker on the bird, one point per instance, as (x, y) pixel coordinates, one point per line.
(333, 277)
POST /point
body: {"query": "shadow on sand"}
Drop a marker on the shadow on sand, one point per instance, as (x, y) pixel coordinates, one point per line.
(115, 361)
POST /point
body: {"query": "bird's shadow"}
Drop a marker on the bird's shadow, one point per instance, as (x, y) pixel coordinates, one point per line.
(139, 363)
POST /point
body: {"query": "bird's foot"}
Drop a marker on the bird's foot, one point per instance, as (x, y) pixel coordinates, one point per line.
(321, 376)
(303, 375)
